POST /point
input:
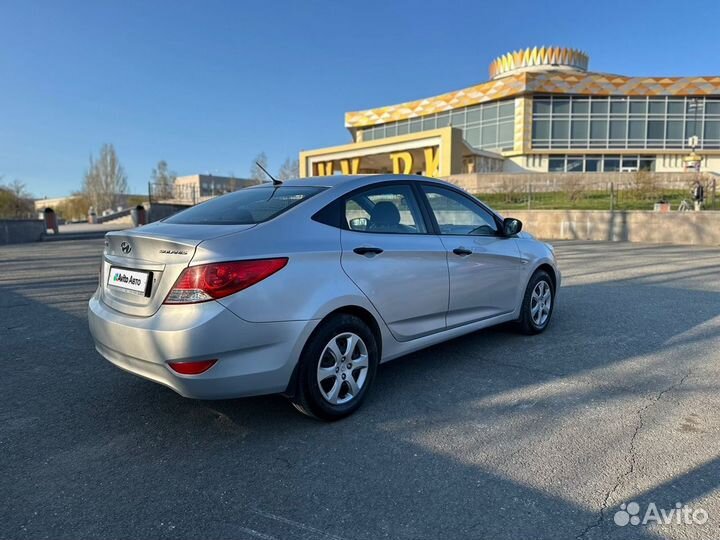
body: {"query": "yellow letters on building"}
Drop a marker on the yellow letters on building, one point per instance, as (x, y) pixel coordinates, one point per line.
(325, 168)
(405, 158)
(350, 166)
(432, 162)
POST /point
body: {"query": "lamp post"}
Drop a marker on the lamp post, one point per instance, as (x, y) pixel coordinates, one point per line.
(692, 162)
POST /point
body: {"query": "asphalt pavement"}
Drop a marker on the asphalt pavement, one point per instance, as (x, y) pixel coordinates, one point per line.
(494, 435)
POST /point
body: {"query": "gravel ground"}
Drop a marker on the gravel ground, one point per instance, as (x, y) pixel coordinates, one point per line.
(494, 435)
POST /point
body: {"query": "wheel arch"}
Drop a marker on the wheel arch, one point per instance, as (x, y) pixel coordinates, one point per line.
(358, 311)
(550, 271)
(365, 316)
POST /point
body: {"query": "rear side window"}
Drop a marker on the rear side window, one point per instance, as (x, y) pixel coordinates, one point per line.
(246, 206)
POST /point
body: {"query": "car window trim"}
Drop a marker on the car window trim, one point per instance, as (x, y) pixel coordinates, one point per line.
(473, 200)
(286, 209)
(429, 226)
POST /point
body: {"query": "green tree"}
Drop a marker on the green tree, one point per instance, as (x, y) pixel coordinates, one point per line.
(7, 203)
(104, 179)
(74, 208)
(15, 201)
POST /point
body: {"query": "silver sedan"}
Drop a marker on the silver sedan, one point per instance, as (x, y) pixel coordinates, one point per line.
(304, 288)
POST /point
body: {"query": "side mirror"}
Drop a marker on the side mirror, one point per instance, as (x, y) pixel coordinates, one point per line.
(358, 224)
(511, 226)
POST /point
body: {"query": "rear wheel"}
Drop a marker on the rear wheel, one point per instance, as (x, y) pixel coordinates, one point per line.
(337, 367)
(538, 303)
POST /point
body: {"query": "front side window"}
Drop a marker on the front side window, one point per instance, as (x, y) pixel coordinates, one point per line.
(245, 207)
(391, 209)
(458, 215)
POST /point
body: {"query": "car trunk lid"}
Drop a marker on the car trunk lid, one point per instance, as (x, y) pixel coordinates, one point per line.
(158, 252)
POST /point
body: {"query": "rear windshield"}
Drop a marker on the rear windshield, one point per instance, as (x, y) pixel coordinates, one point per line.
(246, 206)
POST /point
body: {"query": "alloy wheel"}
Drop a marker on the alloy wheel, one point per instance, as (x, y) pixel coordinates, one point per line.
(342, 368)
(540, 303)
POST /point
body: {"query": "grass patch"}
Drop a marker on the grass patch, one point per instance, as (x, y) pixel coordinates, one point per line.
(585, 200)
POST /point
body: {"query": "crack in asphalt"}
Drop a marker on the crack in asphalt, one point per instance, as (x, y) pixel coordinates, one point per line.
(632, 455)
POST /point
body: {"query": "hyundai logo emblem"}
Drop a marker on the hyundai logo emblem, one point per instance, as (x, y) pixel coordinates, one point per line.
(126, 248)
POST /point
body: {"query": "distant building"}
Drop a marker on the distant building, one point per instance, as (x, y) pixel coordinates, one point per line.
(42, 204)
(195, 187)
(541, 111)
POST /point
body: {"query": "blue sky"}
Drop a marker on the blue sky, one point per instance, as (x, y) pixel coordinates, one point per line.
(207, 85)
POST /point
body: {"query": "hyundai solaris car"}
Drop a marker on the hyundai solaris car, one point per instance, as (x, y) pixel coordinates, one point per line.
(304, 288)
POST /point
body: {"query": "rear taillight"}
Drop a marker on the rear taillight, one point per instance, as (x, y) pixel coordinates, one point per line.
(217, 280)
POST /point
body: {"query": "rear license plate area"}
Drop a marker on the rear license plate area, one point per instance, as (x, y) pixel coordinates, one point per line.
(132, 281)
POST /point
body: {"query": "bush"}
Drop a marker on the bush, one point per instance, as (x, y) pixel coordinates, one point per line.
(643, 186)
(74, 208)
(14, 207)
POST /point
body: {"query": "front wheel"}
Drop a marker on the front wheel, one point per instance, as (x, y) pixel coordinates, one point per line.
(538, 303)
(337, 367)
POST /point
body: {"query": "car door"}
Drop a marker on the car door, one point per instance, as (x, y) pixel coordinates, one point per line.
(485, 267)
(389, 254)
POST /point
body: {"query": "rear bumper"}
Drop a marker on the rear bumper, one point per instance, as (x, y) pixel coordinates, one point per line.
(253, 358)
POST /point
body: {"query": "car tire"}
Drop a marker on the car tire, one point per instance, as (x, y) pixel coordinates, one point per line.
(538, 304)
(336, 368)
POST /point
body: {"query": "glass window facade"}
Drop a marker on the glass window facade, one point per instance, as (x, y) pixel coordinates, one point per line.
(487, 126)
(655, 122)
(600, 163)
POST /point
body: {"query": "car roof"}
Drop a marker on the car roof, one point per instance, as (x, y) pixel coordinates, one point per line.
(357, 180)
(323, 181)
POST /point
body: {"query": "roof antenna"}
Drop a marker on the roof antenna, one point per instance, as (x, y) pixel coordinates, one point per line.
(275, 181)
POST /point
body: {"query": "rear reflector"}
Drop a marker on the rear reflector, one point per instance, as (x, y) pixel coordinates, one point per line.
(192, 368)
(217, 280)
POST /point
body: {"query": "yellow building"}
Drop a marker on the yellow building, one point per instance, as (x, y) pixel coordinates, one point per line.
(541, 111)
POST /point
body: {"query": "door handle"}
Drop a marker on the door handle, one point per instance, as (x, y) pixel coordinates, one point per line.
(367, 250)
(463, 252)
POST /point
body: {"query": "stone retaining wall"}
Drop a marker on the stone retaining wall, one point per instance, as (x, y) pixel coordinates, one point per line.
(17, 231)
(700, 228)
